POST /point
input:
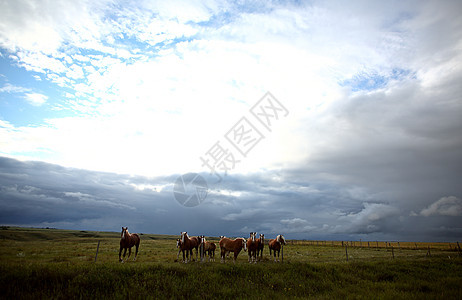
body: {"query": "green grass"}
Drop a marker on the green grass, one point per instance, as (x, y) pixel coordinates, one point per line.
(40, 263)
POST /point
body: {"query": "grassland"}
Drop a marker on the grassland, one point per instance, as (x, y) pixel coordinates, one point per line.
(51, 263)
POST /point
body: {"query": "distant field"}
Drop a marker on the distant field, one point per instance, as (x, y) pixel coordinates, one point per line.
(44, 263)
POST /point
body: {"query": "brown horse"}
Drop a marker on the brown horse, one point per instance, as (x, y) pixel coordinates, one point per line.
(275, 245)
(235, 246)
(209, 248)
(128, 240)
(252, 247)
(261, 245)
(178, 245)
(187, 244)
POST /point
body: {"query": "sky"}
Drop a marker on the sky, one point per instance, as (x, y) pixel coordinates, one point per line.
(313, 119)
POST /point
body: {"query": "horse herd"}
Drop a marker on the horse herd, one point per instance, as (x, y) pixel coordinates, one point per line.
(185, 244)
(253, 245)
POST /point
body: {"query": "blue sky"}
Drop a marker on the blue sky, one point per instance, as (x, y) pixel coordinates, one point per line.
(369, 147)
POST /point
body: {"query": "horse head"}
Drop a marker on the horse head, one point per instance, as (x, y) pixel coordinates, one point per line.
(244, 244)
(262, 237)
(252, 236)
(281, 239)
(178, 242)
(124, 232)
(202, 239)
(183, 234)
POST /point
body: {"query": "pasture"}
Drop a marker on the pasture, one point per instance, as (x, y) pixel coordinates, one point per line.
(52, 263)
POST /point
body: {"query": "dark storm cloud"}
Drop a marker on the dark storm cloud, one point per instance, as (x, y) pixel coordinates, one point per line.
(299, 203)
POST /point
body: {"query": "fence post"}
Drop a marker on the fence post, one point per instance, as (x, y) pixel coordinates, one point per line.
(202, 252)
(97, 249)
(346, 252)
(282, 253)
(392, 252)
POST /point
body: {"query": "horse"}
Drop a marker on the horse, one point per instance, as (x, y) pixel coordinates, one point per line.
(261, 245)
(209, 248)
(275, 245)
(234, 246)
(187, 244)
(178, 245)
(227, 252)
(128, 240)
(252, 247)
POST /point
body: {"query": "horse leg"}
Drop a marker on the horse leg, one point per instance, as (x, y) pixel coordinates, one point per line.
(136, 252)
(125, 252)
(222, 255)
(120, 253)
(278, 255)
(129, 252)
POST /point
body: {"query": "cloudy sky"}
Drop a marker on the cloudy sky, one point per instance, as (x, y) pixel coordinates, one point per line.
(104, 104)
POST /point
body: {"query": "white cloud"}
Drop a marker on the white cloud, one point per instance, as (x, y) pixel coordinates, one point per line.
(369, 219)
(244, 214)
(445, 206)
(35, 99)
(9, 88)
(294, 225)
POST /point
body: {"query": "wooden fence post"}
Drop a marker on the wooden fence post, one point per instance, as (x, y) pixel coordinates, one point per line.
(202, 247)
(97, 249)
(282, 253)
(346, 252)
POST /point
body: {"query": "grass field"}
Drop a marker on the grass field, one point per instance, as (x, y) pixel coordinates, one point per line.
(52, 263)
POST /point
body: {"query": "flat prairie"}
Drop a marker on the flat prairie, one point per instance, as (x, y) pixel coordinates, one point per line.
(53, 263)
